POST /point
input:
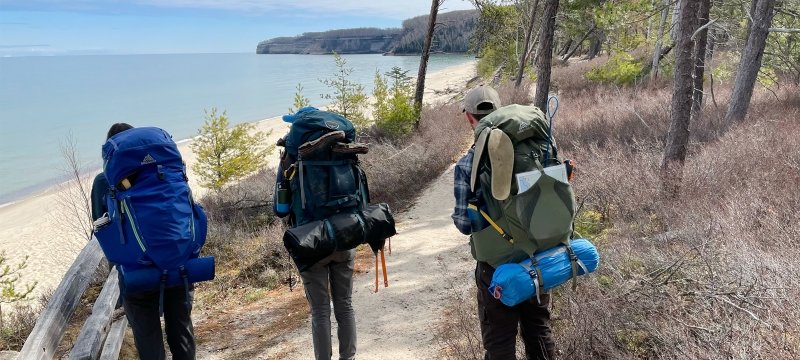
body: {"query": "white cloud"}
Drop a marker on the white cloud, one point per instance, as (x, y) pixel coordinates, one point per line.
(399, 9)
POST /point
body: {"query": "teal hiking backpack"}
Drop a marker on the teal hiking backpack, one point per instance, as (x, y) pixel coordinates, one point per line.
(324, 191)
(515, 142)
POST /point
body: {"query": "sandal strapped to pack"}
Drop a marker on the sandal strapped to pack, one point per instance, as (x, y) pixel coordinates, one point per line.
(501, 157)
(351, 148)
(323, 142)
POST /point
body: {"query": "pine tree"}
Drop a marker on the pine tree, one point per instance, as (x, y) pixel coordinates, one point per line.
(227, 154)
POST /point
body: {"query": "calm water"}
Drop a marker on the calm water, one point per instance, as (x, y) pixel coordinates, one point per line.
(45, 99)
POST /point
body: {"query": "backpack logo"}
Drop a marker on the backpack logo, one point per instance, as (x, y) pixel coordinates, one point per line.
(523, 126)
(332, 125)
(148, 160)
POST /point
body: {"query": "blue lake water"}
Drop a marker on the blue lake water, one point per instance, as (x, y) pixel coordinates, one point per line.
(43, 100)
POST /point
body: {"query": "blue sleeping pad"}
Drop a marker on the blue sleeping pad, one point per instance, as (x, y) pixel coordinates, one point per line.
(514, 283)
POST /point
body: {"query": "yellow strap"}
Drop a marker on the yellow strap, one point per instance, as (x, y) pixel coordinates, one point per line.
(492, 223)
(289, 173)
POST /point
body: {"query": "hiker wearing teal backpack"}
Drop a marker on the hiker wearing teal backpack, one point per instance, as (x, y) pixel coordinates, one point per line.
(476, 189)
(322, 193)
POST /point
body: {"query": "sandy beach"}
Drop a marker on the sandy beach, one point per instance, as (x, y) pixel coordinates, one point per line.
(39, 227)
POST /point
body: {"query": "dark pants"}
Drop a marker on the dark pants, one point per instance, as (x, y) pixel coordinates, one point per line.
(499, 323)
(142, 312)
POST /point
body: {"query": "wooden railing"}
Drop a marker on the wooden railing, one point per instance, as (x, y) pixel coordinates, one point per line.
(100, 336)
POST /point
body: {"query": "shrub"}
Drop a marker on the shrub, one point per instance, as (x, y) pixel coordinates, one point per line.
(510, 94)
(621, 69)
(394, 110)
(16, 327)
(300, 101)
(398, 171)
(245, 236)
(227, 154)
(14, 330)
(348, 97)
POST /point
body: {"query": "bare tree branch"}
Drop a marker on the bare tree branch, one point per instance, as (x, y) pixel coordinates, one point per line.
(784, 30)
(74, 196)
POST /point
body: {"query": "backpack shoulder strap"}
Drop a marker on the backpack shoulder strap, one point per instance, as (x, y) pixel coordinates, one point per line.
(480, 147)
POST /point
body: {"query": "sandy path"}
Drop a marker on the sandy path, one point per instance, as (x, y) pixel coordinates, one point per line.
(428, 255)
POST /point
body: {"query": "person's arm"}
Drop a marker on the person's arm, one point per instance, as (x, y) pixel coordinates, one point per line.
(99, 191)
(462, 193)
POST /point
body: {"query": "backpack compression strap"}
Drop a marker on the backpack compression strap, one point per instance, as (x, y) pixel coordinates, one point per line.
(491, 222)
(536, 275)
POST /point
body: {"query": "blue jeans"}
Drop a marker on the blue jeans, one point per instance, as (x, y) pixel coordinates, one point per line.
(332, 278)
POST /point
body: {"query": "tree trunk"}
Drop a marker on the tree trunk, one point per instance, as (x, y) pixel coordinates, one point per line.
(577, 46)
(426, 53)
(710, 44)
(678, 137)
(566, 47)
(528, 35)
(675, 28)
(750, 15)
(546, 54)
(597, 45)
(751, 62)
(659, 40)
(535, 46)
(700, 47)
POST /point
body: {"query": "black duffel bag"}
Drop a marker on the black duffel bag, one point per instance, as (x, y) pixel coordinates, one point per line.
(308, 244)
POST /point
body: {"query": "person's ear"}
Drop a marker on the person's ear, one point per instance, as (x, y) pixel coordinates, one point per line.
(472, 120)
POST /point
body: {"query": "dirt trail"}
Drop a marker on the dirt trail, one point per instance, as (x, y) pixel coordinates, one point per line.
(428, 256)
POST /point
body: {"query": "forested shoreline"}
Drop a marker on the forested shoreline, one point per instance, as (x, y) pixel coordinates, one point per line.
(453, 36)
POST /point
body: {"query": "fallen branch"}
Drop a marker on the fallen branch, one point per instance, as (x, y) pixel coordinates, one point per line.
(748, 312)
(784, 30)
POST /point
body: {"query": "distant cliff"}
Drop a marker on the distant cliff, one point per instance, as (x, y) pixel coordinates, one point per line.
(451, 36)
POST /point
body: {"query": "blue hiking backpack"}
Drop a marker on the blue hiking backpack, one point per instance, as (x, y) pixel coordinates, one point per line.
(323, 190)
(153, 229)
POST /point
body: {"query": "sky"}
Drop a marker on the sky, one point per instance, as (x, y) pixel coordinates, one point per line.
(80, 27)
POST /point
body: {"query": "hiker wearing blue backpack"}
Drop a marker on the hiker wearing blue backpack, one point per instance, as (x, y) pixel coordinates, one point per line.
(150, 228)
(499, 323)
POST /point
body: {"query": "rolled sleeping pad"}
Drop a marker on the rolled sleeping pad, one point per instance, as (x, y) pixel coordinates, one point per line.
(512, 283)
(149, 278)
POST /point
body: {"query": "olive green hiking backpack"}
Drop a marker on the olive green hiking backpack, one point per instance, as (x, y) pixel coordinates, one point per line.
(525, 203)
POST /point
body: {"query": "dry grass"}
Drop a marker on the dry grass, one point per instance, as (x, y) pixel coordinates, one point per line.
(682, 279)
(708, 276)
(17, 325)
(399, 171)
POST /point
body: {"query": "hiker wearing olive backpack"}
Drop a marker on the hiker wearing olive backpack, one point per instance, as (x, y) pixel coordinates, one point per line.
(499, 323)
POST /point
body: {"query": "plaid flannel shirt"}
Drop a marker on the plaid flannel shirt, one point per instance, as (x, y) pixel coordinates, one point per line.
(462, 192)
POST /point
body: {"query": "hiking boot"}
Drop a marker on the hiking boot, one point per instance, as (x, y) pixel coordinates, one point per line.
(351, 148)
(324, 142)
(501, 157)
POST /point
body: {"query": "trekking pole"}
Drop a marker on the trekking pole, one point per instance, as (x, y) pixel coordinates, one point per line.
(551, 113)
(376, 272)
(390, 245)
(385, 275)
